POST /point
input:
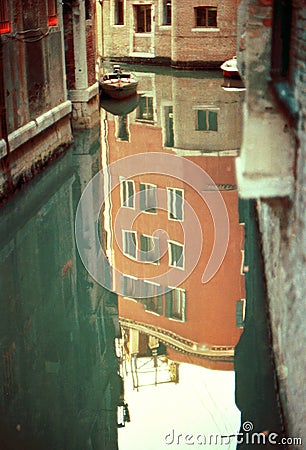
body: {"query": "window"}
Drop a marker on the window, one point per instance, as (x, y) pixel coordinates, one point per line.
(143, 18)
(149, 249)
(5, 24)
(129, 286)
(145, 109)
(175, 198)
(52, 13)
(129, 239)
(282, 67)
(281, 38)
(152, 297)
(175, 306)
(148, 201)
(176, 254)
(166, 12)
(88, 10)
(127, 193)
(205, 16)
(240, 313)
(169, 133)
(207, 120)
(119, 12)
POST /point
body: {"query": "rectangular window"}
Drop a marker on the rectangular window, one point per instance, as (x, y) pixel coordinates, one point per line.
(5, 24)
(206, 16)
(281, 38)
(152, 297)
(127, 193)
(240, 313)
(175, 306)
(143, 18)
(119, 12)
(145, 109)
(207, 120)
(148, 200)
(176, 254)
(175, 198)
(129, 286)
(52, 13)
(166, 12)
(169, 133)
(149, 249)
(129, 242)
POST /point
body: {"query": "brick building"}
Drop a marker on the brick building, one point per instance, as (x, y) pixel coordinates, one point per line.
(271, 169)
(47, 72)
(184, 34)
(35, 113)
(198, 319)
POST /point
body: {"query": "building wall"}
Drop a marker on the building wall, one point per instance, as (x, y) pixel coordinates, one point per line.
(194, 45)
(211, 307)
(35, 111)
(181, 43)
(273, 172)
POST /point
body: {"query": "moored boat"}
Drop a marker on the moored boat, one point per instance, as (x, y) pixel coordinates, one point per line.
(118, 84)
(230, 68)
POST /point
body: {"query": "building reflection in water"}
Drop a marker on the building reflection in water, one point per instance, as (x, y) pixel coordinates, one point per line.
(175, 328)
(59, 372)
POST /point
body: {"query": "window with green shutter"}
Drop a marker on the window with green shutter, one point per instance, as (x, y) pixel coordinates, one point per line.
(175, 199)
(153, 301)
(148, 200)
(240, 310)
(175, 304)
(176, 254)
(149, 249)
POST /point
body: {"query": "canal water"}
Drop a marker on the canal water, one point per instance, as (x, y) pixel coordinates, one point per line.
(133, 307)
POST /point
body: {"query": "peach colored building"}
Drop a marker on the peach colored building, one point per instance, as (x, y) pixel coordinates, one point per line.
(160, 249)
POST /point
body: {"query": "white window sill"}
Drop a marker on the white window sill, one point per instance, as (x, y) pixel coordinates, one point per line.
(148, 35)
(205, 30)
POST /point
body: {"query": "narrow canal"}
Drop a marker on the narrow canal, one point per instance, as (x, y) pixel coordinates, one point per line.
(132, 297)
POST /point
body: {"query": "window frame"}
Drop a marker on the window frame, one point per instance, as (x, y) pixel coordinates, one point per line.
(166, 7)
(117, 5)
(123, 199)
(125, 244)
(137, 10)
(197, 9)
(207, 110)
(240, 313)
(146, 108)
(169, 305)
(282, 70)
(170, 255)
(52, 13)
(147, 208)
(170, 203)
(143, 252)
(134, 287)
(156, 297)
(5, 18)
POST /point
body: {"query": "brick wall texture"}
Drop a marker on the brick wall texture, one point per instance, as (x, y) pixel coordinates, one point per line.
(283, 219)
(182, 43)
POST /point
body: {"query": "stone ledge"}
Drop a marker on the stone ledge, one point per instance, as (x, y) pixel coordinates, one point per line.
(34, 127)
(83, 95)
(262, 186)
